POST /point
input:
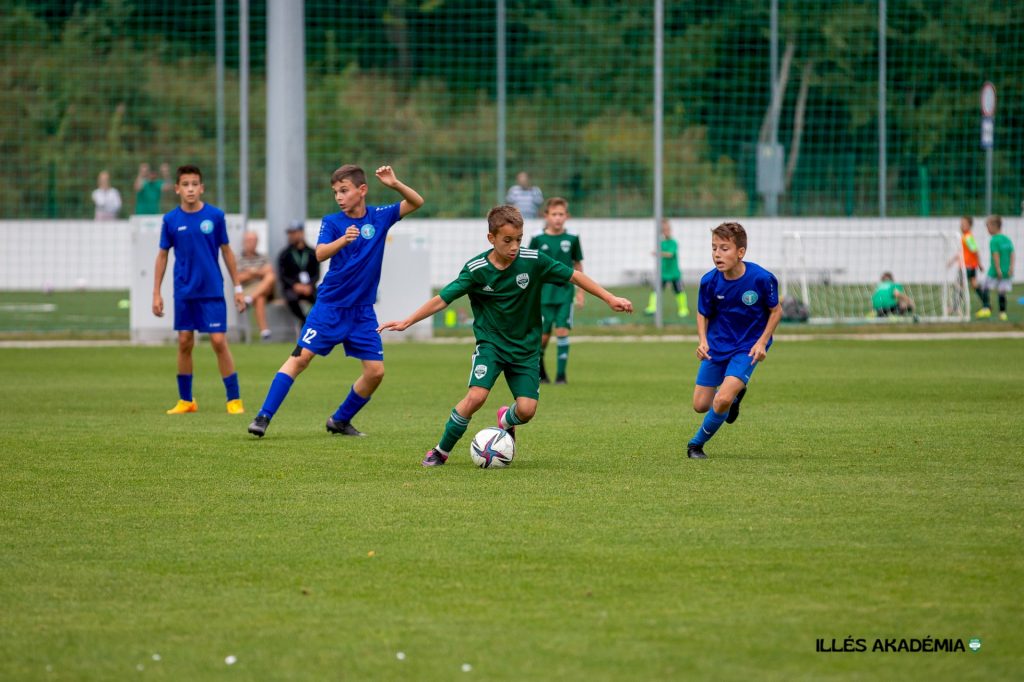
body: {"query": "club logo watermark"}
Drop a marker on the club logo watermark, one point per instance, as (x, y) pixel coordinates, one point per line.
(889, 645)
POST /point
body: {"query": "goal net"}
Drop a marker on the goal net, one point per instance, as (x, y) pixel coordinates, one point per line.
(836, 274)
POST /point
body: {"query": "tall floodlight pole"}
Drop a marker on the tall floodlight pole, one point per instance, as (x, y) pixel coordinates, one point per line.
(882, 172)
(221, 189)
(286, 120)
(659, 139)
(243, 110)
(502, 97)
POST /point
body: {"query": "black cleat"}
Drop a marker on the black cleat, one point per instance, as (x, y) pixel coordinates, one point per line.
(561, 380)
(544, 374)
(259, 425)
(342, 428)
(695, 451)
(434, 458)
(734, 409)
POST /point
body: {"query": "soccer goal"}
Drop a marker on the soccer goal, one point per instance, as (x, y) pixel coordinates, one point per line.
(836, 273)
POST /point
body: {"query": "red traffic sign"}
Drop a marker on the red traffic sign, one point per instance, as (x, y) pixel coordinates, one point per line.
(988, 99)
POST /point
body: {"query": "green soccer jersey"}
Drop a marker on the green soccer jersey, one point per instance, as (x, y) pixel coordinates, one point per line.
(670, 264)
(506, 303)
(1002, 245)
(566, 249)
(884, 297)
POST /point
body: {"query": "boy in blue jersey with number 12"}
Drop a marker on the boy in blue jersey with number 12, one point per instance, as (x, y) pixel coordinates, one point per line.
(354, 241)
(197, 231)
(737, 312)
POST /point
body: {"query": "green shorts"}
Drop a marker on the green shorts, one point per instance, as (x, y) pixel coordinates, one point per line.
(523, 378)
(557, 315)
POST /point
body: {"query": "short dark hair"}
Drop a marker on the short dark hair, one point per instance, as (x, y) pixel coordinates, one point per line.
(995, 221)
(969, 219)
(887, 276)
(733, 232)
(503, 215)
(555, 201)
(188, 169)
(350, 172)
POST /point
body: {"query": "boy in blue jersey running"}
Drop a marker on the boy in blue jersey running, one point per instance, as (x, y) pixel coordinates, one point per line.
(197, 231)
(737, 312)
(354, 241)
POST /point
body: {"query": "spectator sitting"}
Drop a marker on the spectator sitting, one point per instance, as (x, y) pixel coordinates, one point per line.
(299, 270)
(105, 198)
(257, 279)
(526, 198)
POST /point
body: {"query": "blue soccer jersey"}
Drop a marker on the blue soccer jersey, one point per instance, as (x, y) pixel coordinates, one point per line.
(355, 270)
(196, 239)
(737, 310)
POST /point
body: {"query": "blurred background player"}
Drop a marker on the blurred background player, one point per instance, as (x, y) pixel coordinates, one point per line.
(737, 312)
(149, 189)
(196, 231)
(1000, 268)
(890, 298)
(258, 279)
(299, 269)
(670, 273)
(557, 297)
(504, 286)
(353, 240)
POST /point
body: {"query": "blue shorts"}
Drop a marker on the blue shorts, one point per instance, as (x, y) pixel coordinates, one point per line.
(713, 372)
(207, 315)
(356, 328)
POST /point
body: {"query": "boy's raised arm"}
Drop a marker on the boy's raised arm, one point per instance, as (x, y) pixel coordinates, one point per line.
(411, 199)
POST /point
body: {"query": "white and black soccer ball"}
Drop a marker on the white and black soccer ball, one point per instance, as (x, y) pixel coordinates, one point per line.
(492, 448)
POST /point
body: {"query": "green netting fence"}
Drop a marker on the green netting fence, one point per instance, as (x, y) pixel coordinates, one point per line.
(112, 84)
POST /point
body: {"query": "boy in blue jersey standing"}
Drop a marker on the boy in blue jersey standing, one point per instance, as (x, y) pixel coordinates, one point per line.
(196, 231)
(737, 312)
(353, 240)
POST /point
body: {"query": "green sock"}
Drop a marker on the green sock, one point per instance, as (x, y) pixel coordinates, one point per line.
(563, 355)
(682, 304)
(454, 429)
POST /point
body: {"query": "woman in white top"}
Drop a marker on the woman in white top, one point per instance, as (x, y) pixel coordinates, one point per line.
(106, 198)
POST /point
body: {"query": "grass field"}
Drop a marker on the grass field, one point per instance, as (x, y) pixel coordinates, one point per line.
(869, 489)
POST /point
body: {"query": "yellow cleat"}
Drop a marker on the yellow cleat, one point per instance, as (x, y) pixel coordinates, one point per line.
(1004, 317)
(983, 313)
(183, 407)
(236, 407)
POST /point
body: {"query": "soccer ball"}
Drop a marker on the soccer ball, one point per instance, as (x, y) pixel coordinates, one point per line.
(492, 448)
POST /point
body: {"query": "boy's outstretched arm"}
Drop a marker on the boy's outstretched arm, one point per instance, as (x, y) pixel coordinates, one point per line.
(411, 199)
(616, 303)
(434, 305)
(758, 351)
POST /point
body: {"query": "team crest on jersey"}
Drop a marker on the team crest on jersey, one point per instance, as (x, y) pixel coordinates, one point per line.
(206, 226)
(523, 280)
(566, 245)
(480, 371)
(367, 231)
(750, 297)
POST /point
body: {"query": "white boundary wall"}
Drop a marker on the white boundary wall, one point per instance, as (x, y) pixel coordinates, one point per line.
(69, 254)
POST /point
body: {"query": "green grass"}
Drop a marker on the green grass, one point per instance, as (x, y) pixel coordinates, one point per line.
(869, 489)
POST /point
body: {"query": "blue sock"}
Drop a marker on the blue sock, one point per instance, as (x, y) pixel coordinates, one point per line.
(231, 386)
(712, 422)
(279, 388)
(185, 387)
(352, 404)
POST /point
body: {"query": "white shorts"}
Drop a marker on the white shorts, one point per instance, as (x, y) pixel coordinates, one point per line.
(1003, 286)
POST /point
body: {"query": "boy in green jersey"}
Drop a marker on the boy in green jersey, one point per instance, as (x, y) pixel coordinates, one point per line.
(1000, 268)
(557, 298)
(504, 286)
(670, 274)
(890, 298)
